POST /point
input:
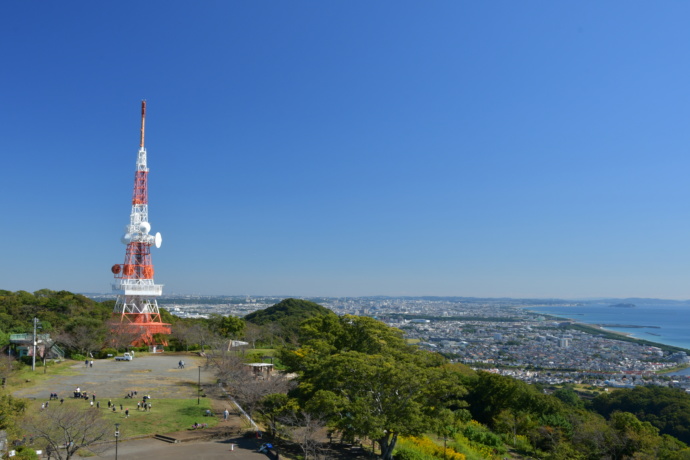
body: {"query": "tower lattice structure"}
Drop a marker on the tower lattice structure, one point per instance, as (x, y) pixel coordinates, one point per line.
(136, 306)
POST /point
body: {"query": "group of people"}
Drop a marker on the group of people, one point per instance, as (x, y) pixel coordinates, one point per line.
(144, 405)
(78, 394)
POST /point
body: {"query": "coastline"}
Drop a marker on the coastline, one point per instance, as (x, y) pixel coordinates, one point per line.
(619, 335)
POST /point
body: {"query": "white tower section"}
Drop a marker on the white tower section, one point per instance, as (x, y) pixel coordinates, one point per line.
(134, 286)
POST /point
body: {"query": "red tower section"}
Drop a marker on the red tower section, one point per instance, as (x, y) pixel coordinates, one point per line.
(136, 309)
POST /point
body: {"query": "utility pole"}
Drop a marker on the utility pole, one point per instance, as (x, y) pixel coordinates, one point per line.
(33, 361)
(117, 435)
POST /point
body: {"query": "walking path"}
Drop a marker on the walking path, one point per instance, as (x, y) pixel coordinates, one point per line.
(236, 448)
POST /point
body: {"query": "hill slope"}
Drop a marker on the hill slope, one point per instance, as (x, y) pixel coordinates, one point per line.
(288, 314)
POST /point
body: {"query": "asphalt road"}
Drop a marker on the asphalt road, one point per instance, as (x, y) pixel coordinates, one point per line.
(241, 449)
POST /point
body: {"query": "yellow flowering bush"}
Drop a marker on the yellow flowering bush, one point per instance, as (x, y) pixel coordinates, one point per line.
(427, 448)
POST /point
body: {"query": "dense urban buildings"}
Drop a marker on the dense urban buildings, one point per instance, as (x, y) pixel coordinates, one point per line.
(500, 335)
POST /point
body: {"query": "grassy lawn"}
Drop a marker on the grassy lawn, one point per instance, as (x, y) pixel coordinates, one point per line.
(261, 351)
(679, 367)
(166, 415)
(25, 378)
(256, 355)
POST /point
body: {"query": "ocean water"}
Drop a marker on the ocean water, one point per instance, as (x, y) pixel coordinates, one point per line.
(669, 325)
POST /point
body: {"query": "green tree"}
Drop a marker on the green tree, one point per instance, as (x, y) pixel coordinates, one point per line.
(668, 409)
(568, 396)
(513, 422)
(274, 406)
(372, 395)
(11, 409)
(226, 326)
(632, 437)
(363, 376)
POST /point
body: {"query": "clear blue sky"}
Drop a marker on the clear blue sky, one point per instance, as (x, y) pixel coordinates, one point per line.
(525, 149)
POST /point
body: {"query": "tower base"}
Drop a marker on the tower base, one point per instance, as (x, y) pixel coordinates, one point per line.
(138, 318)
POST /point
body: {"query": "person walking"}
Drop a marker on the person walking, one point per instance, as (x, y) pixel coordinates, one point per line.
(127, 413)
(226, 413)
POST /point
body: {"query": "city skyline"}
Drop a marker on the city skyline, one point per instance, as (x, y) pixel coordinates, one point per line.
(396, 148)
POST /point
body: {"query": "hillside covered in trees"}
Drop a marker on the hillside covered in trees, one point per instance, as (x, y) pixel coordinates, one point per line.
(287, 315)
(361, 380)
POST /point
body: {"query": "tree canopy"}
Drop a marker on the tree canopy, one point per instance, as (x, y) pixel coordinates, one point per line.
(667, 409)
(288, 314)
(57, 310)
(367, 380)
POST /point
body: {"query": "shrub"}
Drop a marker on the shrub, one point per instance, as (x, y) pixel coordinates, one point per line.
(25, 453)
(479, 434)
(427, 449)
(107, 351)
(405, 453)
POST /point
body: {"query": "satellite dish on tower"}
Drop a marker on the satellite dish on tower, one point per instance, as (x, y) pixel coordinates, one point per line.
(158, 239)
(144, 227)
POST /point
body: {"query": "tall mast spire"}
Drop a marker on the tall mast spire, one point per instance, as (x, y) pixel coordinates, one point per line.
(143, 122)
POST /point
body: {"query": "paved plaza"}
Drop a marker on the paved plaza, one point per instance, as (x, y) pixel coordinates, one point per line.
(160, 376)
(157, 375)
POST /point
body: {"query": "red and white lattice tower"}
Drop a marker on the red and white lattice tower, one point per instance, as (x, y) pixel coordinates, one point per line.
(136, 305)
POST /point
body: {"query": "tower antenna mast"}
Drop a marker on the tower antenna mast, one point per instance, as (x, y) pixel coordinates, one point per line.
(143, 123)
(136, 307)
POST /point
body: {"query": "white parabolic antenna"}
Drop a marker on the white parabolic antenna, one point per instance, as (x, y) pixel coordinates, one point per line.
(158, 239)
